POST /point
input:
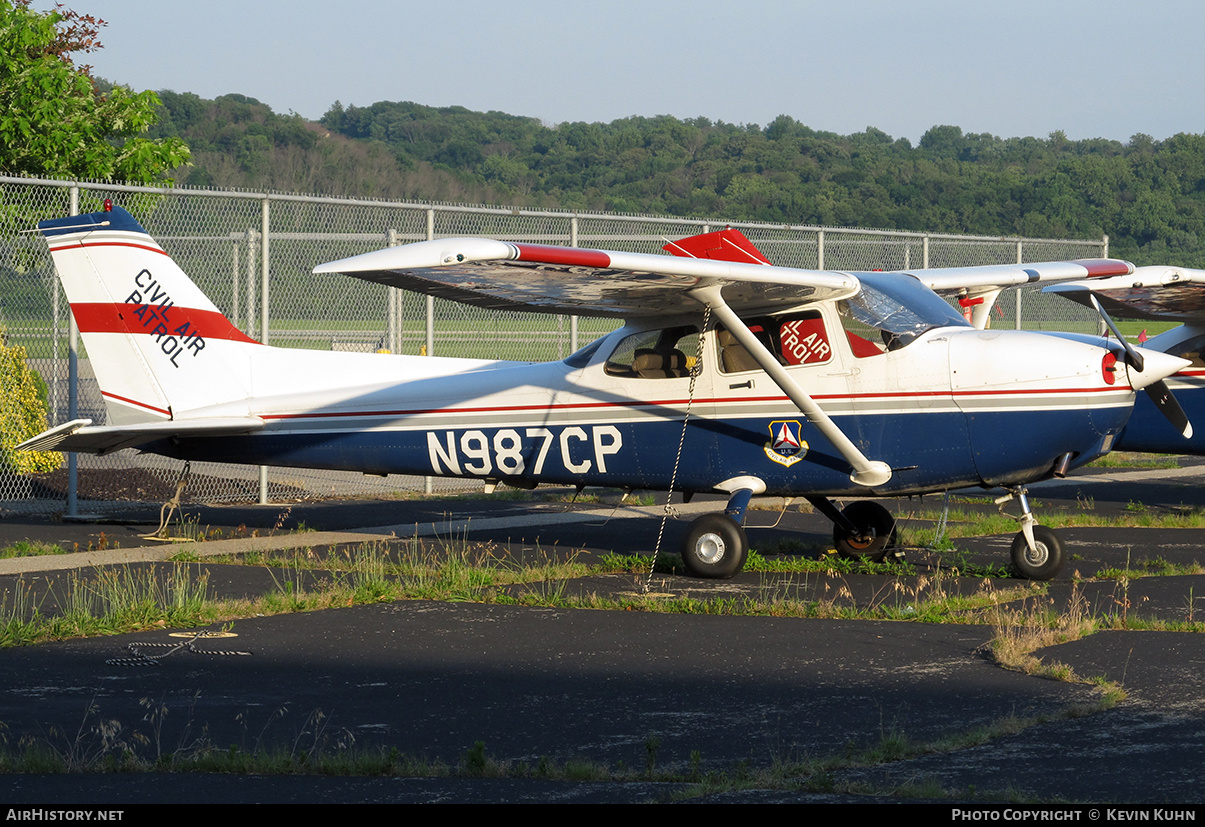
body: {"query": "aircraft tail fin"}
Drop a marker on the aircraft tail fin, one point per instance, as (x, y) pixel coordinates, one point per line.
(157, 344)
(722, 245)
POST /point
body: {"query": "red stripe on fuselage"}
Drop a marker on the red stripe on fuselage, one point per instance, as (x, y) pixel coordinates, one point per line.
(100, 317)
(573, 256)
(653, 403)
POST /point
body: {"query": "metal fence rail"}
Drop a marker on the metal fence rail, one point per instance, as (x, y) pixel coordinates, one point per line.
(252, 254)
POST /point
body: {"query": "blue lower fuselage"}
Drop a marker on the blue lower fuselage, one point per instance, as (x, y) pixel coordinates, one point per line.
(928, 451)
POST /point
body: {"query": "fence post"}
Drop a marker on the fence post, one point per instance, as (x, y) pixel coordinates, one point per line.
(429, 482)
(395, 304)
(234, 263)
(573, 347)
(249, 323)
(73, 391)
(56, 348)
(1020, 260)
(265, 226)
(820, 249)
(924, 253)
(430, 299)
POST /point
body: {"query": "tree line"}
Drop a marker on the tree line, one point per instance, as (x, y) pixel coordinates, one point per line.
(1147, 195)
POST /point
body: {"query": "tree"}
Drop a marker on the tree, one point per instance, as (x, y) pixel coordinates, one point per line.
(22, 413)
(56, 119)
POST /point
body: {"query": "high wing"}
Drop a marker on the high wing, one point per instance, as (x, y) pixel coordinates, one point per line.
(545, 279)
(1153, 293)
(533, 277)
(947, 279)
(81, 435)
(978, 287)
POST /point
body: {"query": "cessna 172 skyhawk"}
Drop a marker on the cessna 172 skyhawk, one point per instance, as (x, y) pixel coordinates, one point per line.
(728, 376)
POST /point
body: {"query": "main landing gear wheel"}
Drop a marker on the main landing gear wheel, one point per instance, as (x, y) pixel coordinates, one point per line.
(875, 531)
(715, 546)
(1044, 560)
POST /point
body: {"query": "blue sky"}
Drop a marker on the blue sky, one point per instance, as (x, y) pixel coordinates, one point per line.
(1092, 69)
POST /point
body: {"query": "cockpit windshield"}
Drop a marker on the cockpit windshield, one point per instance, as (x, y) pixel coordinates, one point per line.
(898, 306)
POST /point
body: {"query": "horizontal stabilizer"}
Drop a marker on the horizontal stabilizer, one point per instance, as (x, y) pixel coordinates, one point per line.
(79, 435)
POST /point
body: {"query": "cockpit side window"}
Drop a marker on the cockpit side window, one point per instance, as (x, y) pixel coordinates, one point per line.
(1192, 349)
(668, 353)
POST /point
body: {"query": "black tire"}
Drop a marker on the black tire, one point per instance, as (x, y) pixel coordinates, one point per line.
(1045, 561)
(715, 546)
(876, 532)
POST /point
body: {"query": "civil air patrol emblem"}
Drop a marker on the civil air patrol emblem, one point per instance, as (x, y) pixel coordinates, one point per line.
(785, 447)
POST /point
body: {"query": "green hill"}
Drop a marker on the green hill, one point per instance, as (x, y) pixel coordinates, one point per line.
(1147, 195)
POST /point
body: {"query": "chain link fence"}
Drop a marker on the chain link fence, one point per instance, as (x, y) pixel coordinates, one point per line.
(252, 254)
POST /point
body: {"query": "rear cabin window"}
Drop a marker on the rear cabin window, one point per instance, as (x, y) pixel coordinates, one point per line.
(795, 339)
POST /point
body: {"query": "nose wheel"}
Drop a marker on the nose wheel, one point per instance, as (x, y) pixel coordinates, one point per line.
(1043, 560)
(1037, 552)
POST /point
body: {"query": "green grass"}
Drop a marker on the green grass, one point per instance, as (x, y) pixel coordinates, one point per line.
(453, 569)
(121, 599)
(1126, 459)
(526, 339)
(115, 600)
(31, 548)
(1091, 327)
(963, 521)
(1152, 566)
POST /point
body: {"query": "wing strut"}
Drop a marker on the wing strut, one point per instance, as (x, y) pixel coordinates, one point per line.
(867, 472)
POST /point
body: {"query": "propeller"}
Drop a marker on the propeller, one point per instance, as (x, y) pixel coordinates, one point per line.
(1158, 391)
(1161, 395)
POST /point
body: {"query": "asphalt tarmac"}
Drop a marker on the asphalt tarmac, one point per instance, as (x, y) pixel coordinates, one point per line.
(619, 689)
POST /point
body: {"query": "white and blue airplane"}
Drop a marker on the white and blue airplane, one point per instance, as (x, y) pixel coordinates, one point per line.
(729, 375)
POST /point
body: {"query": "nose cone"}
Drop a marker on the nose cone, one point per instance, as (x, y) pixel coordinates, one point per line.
(1155, 366)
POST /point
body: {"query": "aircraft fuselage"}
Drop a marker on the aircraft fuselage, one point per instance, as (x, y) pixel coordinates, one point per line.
(944, 412)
